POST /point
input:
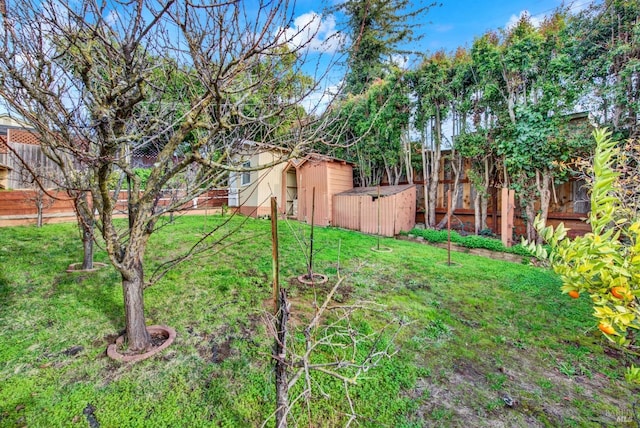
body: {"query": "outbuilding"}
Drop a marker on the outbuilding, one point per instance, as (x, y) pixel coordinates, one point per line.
(327, 175)
(385, 210)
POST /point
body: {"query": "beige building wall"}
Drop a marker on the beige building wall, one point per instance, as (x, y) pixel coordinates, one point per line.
(255, 188)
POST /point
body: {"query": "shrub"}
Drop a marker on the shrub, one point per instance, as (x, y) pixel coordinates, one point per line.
(606, 262)
(471, 241)
(475, 241)
(436, 236)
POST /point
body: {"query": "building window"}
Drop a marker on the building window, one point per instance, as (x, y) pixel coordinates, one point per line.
(245, 176)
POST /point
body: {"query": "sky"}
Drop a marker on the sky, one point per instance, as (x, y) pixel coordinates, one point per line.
(457, 22)
(453, 24)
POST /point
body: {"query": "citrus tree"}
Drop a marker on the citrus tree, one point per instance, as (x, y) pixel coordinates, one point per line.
(604, 263)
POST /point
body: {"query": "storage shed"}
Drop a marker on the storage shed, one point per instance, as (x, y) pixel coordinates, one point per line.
(327, 175)
(361, 209)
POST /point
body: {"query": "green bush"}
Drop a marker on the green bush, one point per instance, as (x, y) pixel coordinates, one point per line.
(519, 250)
(436, 236)
(476, 241)
(470, 241)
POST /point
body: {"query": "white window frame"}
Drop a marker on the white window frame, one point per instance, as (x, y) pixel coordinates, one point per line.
(245, 176)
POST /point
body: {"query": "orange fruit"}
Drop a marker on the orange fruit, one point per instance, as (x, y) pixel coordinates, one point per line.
(618, 292)
(606, 328)
(574, 294)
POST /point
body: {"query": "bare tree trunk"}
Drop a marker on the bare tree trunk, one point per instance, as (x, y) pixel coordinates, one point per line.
(456, 165)
(388, 171)
(477, 214)
(84, 214)
(544, 189)
(395, 174)
(484, 203)
(531, 213)
(484, 211)
(87, 247)
(425, 180)
(407, 157)
(138, 338)
(435, 169)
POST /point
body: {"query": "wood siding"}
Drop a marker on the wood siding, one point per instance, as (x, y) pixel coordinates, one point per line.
(361, 209)
(328, 177)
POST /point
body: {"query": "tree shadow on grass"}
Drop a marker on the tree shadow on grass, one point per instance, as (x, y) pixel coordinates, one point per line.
(98, 291)
(6, 296)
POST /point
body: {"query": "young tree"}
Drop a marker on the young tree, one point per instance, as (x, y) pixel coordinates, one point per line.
(377, 120)
(604, 262)
(94, 80)
(527, 87)
(461, 85)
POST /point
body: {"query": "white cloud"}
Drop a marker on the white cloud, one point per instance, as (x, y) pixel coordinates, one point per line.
(536, 21)
(401, 61)
(318, 100)
(112, 17)
(314, 33)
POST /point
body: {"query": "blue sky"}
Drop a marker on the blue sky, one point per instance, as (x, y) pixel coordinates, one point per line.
(455, 23)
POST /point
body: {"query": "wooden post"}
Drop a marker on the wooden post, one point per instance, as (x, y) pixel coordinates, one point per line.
(448, 228)
(507, 212)
(274, 252)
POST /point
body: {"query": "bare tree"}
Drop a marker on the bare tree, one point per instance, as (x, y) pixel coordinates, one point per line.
(331, 331)
(38, 197)
(193, 80)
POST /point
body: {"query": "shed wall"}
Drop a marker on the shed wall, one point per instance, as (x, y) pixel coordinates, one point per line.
(314, 175)
(361, 212)
(339, 179)
(346, 211)
(371, 208)
(405, 213)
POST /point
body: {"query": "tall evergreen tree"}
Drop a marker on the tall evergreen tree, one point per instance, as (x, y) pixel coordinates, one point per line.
(377, 29)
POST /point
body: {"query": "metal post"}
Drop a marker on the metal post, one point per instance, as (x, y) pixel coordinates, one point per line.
(378, 217)
(313, 210)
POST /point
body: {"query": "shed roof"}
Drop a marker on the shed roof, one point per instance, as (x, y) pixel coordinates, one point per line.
(315, 157)
(373, 191)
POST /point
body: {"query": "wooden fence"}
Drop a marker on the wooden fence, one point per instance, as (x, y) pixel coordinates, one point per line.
(18, 207)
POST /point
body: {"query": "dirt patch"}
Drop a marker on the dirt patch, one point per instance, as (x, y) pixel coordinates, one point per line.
(520, 391)
(220, 351)
(219, 346)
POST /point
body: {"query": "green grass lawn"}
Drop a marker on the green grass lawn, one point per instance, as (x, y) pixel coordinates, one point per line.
(480, 335)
